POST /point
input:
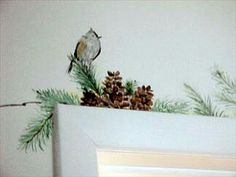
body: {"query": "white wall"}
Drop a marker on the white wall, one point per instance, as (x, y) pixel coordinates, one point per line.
(161, 43)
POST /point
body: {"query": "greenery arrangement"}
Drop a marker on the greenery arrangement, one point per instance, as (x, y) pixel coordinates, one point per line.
(40, 129)
(113, 93)
(227, 92)
(202, 105)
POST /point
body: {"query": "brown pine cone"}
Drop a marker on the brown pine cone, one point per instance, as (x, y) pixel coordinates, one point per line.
(114, 91)
(142, 99)
(91, 99)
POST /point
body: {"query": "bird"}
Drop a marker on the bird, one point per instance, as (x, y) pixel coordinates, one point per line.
(87, 49)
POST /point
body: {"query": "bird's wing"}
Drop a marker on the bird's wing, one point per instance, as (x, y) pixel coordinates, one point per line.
(99, 51)
(80, 47)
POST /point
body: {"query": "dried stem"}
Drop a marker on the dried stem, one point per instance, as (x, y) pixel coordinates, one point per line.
(20, 104)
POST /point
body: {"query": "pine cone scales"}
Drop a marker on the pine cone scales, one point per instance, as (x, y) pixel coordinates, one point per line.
(114, 91)
(115, 95)
(142, 99)
(90, 99)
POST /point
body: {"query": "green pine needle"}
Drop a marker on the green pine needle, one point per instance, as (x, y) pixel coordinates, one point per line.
(50, 97)
(202, 105)
(40, 129)
(227, 99)
(38, 132)
(85, 75)
(227, 94)
(130, 86)
(170, 106)
(224, 81)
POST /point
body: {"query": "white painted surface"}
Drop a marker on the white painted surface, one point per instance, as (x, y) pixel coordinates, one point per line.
(74, 158)
(138, 130)
(150, 130)
(161, 43)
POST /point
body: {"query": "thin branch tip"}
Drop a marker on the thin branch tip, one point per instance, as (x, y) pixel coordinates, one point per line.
(20, 104)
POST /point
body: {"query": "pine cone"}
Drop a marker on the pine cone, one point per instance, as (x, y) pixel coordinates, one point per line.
(114, 91)
(91, 99)
(142, 99)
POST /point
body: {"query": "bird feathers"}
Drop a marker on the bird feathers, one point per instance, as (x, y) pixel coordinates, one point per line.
(97, 54)
(80, 47)
(87, 49)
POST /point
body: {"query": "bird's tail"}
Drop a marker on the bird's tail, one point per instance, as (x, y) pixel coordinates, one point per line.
(70, 66)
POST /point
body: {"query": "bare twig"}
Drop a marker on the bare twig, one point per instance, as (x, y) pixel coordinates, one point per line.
(20, 104)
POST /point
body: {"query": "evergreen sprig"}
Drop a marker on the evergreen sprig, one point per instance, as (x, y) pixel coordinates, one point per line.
(38, 132)
(224, 81)
(85, 75)
(40, 129)
(130, 86)
(50, 97)
(170, 106)
(227, 94)
(202, 105)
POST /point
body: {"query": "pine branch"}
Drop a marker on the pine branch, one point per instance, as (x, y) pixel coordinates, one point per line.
(130, 86)
(223, 80)
(20, 104)
(227, 99)
(227, 94)
(201, 105)
(50, 97)
(85, 75)
(40, 129)
(38, 132)
(170, 106)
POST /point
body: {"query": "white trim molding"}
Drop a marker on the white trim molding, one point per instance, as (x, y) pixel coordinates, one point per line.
(92, 142)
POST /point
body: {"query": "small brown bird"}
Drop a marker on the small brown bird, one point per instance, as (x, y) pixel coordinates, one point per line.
(87, 49)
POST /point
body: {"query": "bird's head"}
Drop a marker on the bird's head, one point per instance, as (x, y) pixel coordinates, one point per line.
(92, 34)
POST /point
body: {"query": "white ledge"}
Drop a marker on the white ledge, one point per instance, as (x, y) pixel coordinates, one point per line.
(87, 139)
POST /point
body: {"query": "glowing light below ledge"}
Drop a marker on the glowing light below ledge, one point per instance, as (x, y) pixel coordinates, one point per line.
(121, 163)
(134, 171)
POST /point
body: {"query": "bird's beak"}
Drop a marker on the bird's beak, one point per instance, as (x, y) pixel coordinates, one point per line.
(99, 37)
